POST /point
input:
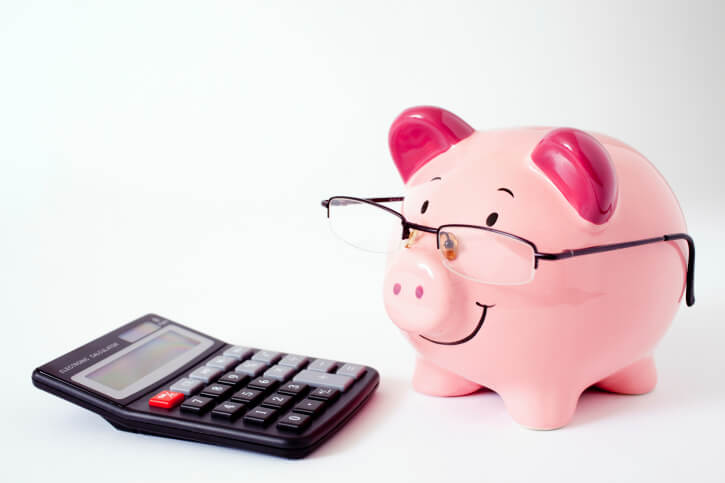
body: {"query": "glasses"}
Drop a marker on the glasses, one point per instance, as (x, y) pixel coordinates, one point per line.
(376, 225)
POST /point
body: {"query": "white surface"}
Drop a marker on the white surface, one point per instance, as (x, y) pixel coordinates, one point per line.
(171, 158)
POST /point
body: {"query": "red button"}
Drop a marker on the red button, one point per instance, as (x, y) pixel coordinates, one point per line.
(166, 399)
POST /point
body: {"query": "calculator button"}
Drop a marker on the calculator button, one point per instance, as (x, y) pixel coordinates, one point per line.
(293, 422)
(352, 370)
(216, 390)
(233, 379)
(262, 383)
(309, 406)
(205, 374)
(322, 379)
(251, 368)
(293, 360)
(238, 352)
(260, 415)
(222, 362)
(280, 373)
(270, 357)
(197, 404)
(292, 388)
(277, 401)
(324, 393)
(228, 410)
(321, 365)
(187, 386)
(166, 399)
(246, 395)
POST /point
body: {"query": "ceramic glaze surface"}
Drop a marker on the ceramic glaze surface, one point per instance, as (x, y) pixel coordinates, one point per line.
(583, 321)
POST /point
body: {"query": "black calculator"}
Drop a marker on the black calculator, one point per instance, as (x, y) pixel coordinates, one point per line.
(159, 377)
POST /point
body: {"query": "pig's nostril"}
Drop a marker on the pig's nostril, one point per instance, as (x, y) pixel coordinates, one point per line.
(419, 291)
(396, 288)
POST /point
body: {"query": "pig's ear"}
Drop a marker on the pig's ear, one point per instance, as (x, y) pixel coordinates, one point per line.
(580, 167)
(421, 133)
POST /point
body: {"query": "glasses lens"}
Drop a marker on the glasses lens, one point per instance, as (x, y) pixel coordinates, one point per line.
(365, 225)
(486, 256)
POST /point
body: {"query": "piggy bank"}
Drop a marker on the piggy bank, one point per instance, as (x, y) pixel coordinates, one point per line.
(535, 262)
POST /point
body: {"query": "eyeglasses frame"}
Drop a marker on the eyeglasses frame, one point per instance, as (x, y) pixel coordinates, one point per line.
(568, 253)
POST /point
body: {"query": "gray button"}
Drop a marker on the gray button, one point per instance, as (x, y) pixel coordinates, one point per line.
(238, 352)
(205, 374)
(186, 386)
(322, 379)
(280, 373)
(251, 368)
(322, 365)
(222, 362)
(293, 360)
(352, 370)
(270, 357)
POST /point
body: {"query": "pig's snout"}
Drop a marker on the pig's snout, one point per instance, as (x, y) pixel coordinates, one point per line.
(417, 296)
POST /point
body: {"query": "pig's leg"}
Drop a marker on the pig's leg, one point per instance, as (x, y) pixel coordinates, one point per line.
(541, 408)
(432, 380)
(638, 378)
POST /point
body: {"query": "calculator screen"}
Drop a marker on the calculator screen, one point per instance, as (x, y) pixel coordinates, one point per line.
(141, 361)
(144, 362)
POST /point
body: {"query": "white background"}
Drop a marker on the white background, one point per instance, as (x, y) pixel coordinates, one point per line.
(170, 158)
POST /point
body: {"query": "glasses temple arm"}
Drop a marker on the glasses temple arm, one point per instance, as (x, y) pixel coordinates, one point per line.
(690, 285)
(343, 202)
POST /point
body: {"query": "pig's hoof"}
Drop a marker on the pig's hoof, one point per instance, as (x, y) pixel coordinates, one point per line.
(434, 381)
(638, 378)
(542, 411)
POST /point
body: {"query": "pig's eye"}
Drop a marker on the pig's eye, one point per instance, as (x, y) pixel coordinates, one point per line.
(424, 207)
(491, 219)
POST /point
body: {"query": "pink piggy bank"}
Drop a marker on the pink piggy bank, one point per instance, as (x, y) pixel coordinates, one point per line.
(534, 262)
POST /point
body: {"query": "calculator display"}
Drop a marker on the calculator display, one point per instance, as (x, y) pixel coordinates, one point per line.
(138, 363)
(144, 362)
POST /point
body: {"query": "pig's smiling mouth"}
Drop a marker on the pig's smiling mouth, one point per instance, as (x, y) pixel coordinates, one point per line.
(469, 336)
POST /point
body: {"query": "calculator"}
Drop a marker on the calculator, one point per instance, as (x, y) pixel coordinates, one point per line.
(159, 377)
